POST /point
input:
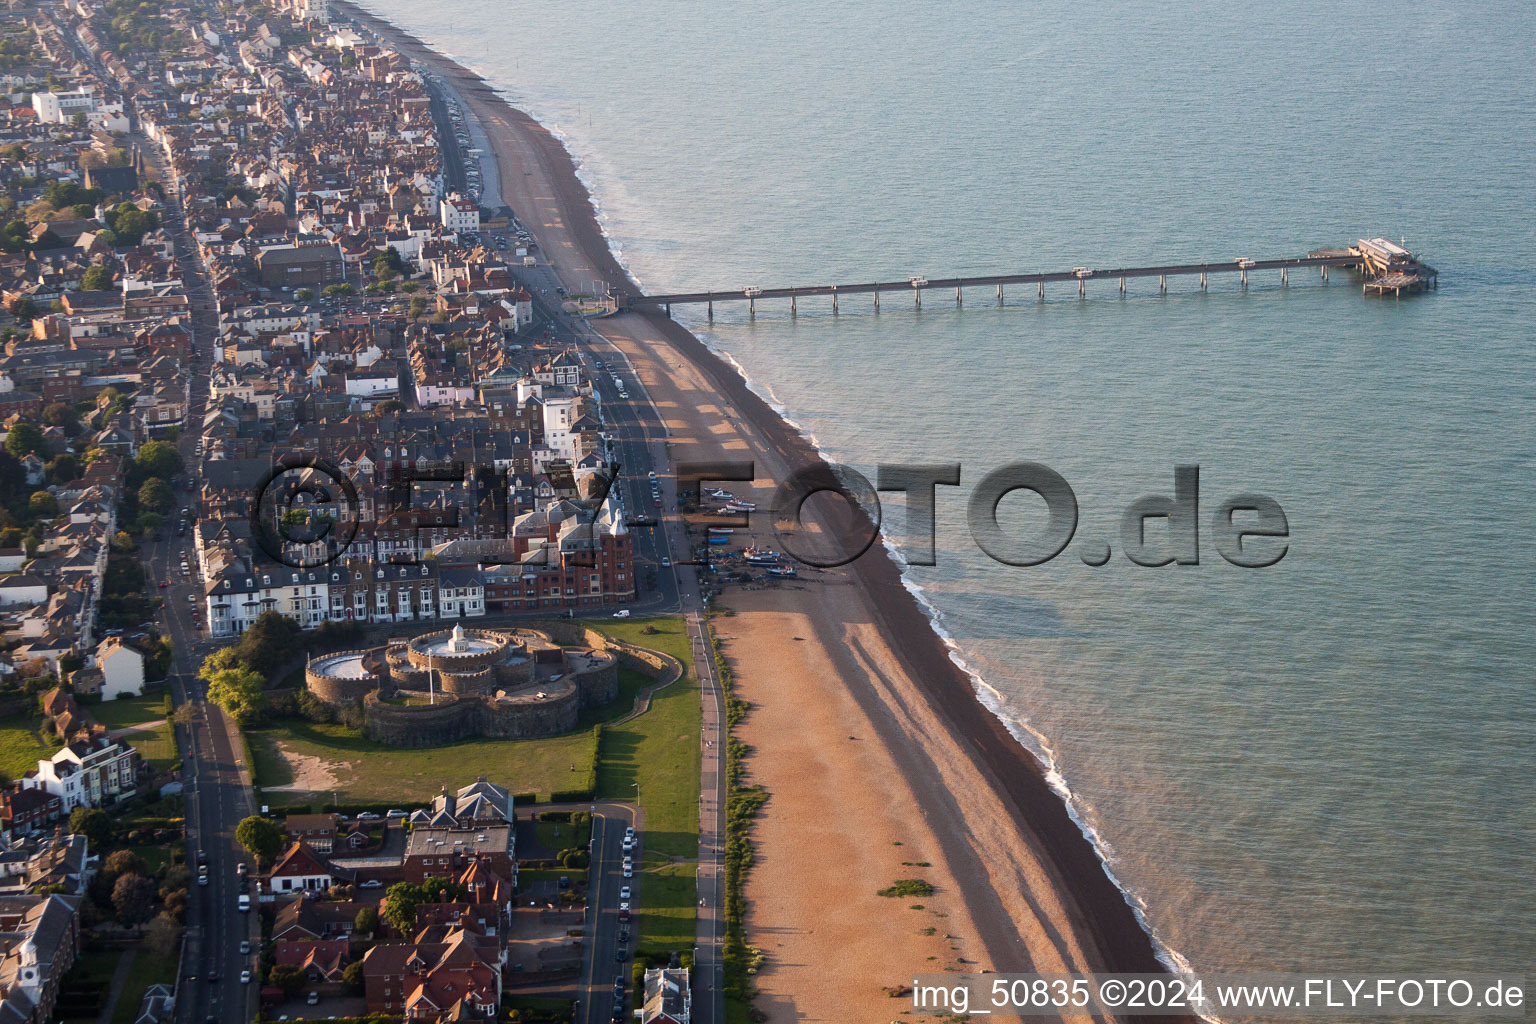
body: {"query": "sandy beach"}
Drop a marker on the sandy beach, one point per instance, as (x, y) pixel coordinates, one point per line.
(880, 761)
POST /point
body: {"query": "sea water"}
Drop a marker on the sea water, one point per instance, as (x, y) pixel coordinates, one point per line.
(1322, 764)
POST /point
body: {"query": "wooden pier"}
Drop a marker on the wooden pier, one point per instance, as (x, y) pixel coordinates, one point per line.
(1383, 265)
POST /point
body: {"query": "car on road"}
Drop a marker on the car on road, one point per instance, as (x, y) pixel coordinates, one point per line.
(666, 563)
(624, 909)
(629, 871)
(372, 883)
(244, 902)
(393, 815)
(629, 842)
(213, 974)
(624, 892)
(621, 954)
(624, 614)
(369, 816)
(245, 977)
(245, 947)
(312, 998)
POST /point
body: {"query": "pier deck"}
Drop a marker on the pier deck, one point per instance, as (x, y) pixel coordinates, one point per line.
(1384, 265)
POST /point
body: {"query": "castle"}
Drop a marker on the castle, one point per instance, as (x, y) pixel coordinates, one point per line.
(456, 684)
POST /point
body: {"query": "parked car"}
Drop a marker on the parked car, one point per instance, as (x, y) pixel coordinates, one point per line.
(245, 977)
(372, 883)
(624, 892)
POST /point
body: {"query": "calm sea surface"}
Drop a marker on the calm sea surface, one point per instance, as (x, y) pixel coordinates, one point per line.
(1324, 764)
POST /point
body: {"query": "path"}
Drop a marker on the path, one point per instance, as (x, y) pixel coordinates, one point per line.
(115, 989)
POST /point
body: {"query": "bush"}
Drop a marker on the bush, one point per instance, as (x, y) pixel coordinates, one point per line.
(907, 887)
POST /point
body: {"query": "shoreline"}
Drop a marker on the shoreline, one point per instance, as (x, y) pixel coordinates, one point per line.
(1040, 817)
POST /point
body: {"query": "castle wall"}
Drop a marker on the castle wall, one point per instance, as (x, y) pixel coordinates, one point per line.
(465, 705)
(338, 689)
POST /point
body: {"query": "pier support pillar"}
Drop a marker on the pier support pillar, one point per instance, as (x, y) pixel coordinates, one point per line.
(1202, 280)
(751, 306)
(999, 295)
(1122, 286)
(917, 298)
(877, 298)
(834, 300)
(957, 295)
(1080, 283)
(1245, 279)
(1284, 280)
(669, 311)
(1162, 283)
(793, 310)
(1324, 269)
(1042, 291)
(710, 306)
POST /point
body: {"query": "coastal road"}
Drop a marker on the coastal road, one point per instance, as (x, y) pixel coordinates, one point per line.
(605, 932)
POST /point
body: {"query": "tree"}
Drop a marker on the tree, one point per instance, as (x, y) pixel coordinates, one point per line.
(63, 468)
(400, 906)
(353, 978)
(133, 897)
(124, 862)
(91, 823)
(266, 644)
(262, 838)
(23, 439)
(331, 291)
(156, 495)
(42, 505)
(97, 279)
(304, 294)
(367, 921)
(24, 308)
(158, 458)
(163, 936)
(239, 692)
(289, 979)
(61, 414)
(131, 224)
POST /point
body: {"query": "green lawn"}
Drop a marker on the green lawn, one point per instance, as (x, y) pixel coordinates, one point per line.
(659, 750)
(558, 835)
(92, 971)
(21, 746)
(668, 909)
(147, 970)
(156, 744)
(369, 772)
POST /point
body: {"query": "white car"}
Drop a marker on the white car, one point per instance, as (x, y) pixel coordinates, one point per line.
(629, 872)
(624, 906)
(629, 842)
(624, 893)
(245, 977)
(372, 883)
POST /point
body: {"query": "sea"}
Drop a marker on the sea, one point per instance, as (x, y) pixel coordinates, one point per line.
(1325, 764)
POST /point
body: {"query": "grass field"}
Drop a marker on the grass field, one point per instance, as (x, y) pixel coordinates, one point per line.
(659, 749)
(21, 746)
(147, 970)
(657, 754)
(668, 909)
(364, 771)
(157, 744)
